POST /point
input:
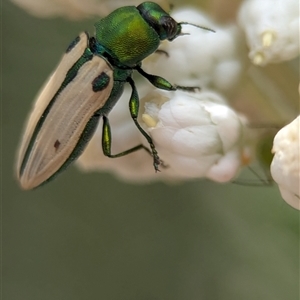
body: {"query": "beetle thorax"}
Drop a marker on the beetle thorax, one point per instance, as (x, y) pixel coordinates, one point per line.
(127, 36)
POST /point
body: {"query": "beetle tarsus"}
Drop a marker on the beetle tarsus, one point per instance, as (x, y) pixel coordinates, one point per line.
(192, 89)
(156, 160)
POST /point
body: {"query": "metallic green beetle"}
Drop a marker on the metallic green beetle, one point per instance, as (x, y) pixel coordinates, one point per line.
(86, 85)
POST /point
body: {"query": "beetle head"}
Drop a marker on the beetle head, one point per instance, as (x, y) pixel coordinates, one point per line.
(165, 26)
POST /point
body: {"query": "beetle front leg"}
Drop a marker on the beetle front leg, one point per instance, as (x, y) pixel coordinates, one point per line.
(107, 139)
(134, 110)
(164, 84)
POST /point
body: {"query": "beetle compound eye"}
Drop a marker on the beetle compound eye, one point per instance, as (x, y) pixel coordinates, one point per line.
(170, 27)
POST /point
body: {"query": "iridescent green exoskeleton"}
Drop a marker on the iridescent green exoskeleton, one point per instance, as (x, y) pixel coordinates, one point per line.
(86, 85)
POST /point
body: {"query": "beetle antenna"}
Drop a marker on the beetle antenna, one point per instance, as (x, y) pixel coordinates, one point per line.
(202, 27)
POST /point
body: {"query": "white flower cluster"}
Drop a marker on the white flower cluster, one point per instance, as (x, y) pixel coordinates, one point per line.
(285, 167)
(271, 28)
(196, 135)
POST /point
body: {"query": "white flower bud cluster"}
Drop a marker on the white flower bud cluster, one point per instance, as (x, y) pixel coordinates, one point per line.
(271, 28)
(285, 167)
(196, 135)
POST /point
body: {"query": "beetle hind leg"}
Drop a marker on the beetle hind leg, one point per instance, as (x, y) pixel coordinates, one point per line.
(134, 110)
(106, 146)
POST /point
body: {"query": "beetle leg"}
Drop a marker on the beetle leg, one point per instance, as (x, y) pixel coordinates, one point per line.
(164, 84)
(134, 110)
(106, 144)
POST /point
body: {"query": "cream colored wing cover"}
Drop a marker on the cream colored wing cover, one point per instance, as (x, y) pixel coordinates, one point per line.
(67, 118)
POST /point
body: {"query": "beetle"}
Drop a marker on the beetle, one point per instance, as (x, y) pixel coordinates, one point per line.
(86, 85)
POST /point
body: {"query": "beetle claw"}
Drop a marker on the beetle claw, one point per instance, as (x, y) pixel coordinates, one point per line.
(192, 89)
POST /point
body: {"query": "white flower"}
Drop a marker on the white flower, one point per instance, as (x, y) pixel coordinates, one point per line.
(285, 167)
(271, 28)
(201, 57)
(196, 134)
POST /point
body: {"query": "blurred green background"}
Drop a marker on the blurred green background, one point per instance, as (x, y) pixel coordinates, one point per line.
(90, 236)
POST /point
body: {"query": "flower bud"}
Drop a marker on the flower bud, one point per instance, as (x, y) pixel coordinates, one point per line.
(285, 167)
(271, 28)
